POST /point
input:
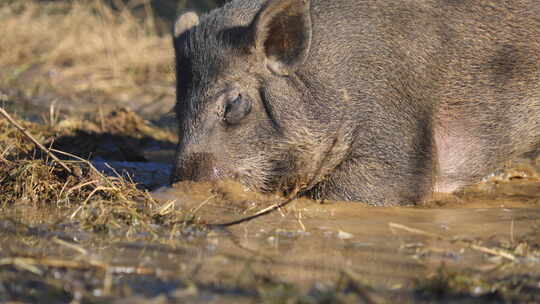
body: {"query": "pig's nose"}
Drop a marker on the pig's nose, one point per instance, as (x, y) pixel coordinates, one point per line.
(195, 167)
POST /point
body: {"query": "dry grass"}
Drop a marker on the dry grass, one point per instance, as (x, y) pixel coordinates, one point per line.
(30, 178)
(85, 46)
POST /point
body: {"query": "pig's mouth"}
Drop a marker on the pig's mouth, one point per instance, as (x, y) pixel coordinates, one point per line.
(286, 174)
(265, 174)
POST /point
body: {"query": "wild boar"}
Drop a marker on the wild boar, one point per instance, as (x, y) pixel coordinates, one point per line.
(378, 101)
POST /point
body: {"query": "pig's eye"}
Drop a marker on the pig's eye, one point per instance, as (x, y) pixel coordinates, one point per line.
(236, 109)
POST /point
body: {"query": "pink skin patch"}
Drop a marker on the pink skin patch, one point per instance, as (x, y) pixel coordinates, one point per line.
(454, 149)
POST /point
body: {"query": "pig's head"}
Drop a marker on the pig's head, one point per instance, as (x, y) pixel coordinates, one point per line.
(244, 107)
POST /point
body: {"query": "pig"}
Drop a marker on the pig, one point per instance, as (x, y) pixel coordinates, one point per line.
(381, 101)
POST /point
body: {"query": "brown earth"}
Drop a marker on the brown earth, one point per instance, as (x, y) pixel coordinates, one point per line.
(98, 235)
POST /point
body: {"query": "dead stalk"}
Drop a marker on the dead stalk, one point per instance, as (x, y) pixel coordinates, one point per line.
(293, 196)
(75, 247)
(33, 140)
(414, 230)
(258, 214)
(30, 264)
(493, 251)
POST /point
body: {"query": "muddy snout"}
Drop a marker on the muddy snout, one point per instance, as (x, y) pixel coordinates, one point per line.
(196, 167)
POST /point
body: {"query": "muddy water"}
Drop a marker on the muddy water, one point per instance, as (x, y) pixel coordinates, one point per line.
(310, 242)
(490, 230)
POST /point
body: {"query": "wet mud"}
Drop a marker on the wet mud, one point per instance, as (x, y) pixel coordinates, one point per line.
(108, 232)
(161, 245)
(477, 231)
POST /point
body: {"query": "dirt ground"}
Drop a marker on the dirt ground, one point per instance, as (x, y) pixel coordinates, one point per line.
(94, 85)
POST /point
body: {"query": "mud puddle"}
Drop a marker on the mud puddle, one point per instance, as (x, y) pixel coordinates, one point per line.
(490, 230)
(308, 250)
(310, 243)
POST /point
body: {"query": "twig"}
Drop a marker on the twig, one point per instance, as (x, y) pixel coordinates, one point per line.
(294, 195)
(32, 139)
(496, 252)
(512, 231)
(300, 220)
(414, 230)
(30, 264)
(75, 247)
(256, 215)
(163, 210)
(202, 204)
(79, 186)
(99, 188)
(90, 165)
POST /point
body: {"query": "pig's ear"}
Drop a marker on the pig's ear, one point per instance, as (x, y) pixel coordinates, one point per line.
(282, 33)
(184, 23)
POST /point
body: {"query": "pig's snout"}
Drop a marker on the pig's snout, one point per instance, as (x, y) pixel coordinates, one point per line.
(195, 167)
